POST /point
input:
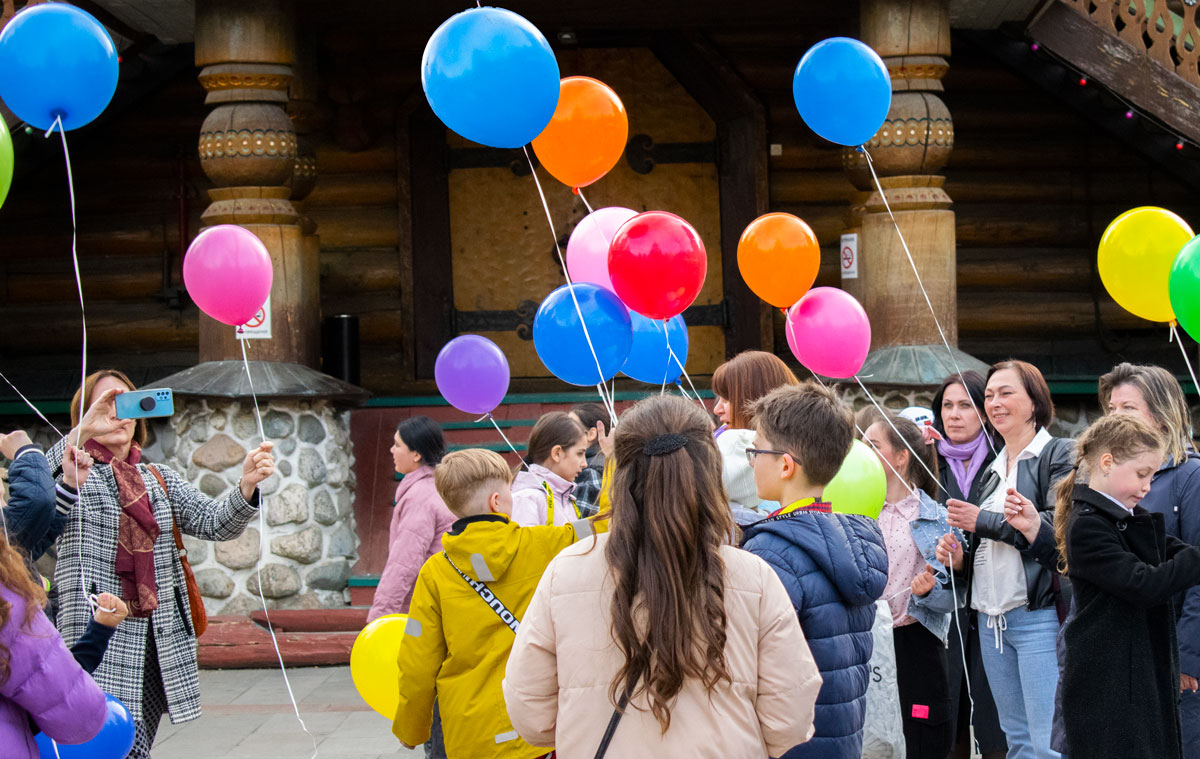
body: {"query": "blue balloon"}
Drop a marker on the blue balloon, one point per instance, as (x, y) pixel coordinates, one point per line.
(57, 61)
(491, 76)
(114, 741)
(649, 360)
(842, 90)
(561, 344)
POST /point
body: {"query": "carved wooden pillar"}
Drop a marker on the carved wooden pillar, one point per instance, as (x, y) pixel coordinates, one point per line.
(914, 144)
(248, 149)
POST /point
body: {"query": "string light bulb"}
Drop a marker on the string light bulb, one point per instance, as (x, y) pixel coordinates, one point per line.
(1083, 81)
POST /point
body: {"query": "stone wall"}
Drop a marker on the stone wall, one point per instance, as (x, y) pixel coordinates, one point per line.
(310, 543)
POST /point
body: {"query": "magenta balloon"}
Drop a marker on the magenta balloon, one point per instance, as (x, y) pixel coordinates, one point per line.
(829, 333)
(587, 250)
(227, 271)
(472, 374)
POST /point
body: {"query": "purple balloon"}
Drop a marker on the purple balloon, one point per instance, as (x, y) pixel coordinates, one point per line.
(472, 374)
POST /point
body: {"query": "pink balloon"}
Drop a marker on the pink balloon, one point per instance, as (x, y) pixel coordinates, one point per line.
(227, 271)
(587, 250)
(829, 333)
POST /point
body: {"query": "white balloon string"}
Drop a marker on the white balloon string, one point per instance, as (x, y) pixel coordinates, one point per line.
(511, 447)
(862, 435)
(29, 403)
(887, 417)
(1183, 350)
(608, 403)
(263, 551)
(941, 332)
(587, 205)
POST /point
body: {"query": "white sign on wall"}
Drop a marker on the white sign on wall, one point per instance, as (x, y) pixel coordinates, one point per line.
(258, 328)
(849, 256)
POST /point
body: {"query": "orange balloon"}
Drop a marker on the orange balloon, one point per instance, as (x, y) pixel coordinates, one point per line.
(587, 135)
(778, 256)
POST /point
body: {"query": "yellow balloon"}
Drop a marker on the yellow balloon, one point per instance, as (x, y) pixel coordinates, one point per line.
(1135, 258)
(373, 663)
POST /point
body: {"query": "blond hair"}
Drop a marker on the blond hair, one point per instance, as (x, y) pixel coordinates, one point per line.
(461, 476)
(1163, 396)
(1124, 436)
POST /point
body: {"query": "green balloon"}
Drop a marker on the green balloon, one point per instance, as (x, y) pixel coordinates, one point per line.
(1184, 287)
(860, 485)
(6, 161)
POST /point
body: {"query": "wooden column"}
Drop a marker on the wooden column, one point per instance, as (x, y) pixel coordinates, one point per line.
(909, 150)
(248, 149)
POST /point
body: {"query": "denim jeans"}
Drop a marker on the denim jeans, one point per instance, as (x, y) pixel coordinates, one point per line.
(1023, 675)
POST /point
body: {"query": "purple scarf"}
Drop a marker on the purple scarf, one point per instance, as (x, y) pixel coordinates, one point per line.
(965, 459)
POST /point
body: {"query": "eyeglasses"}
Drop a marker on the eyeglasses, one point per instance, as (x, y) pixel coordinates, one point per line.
(752, 453)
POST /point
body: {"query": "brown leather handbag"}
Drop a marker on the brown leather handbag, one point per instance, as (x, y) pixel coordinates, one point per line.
(195, 602)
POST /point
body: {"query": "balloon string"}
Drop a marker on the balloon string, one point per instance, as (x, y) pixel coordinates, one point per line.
(887, 417)
(862, 435)
(941, 332)
(608, 403)
(262, 547)
(29, 403)
(1175, 336)
(511, 447)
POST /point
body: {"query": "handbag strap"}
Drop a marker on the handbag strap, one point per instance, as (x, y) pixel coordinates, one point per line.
(495, 604)
(174, 525)
(619, 712)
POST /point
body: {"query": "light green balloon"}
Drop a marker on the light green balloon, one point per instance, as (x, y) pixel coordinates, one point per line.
(1183, 285)
(860, 485)
(6, 161)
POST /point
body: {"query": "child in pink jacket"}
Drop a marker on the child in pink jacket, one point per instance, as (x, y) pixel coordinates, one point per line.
(544, 491)
(420, 517)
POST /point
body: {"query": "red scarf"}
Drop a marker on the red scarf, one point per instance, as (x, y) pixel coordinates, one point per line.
(137, 532)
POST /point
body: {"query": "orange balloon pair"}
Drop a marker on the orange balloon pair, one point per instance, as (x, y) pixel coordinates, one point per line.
(587, 135)
(778, 257)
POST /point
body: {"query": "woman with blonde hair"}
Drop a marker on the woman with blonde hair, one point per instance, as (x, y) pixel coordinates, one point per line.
(737, 384)
(1153, 394)
(709, 659)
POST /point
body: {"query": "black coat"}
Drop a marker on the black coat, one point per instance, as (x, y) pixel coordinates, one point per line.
(1120, 681)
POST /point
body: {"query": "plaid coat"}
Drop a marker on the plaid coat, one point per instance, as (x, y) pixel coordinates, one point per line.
(87, 557)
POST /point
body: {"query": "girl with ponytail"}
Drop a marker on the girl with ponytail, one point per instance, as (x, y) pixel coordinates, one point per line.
(1120, 679)
(709, 657)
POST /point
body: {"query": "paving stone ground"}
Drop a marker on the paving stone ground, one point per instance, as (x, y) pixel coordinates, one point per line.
(248, 715)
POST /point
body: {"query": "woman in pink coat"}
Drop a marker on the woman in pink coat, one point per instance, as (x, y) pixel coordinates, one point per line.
(420, 517)
(660, 635)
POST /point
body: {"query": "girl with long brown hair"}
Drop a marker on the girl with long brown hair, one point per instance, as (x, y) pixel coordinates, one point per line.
(709, 657)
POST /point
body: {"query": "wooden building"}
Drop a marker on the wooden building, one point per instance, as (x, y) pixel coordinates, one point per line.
(1015, 137)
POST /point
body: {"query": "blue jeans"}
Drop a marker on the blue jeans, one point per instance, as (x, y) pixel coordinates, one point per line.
(1023, 676)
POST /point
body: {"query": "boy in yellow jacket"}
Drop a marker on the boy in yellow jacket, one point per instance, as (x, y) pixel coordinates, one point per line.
(467, 607)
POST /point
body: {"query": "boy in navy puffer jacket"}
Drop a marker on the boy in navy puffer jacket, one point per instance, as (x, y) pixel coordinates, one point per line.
(834, 566)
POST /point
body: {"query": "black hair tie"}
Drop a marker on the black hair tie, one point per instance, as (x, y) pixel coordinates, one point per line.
(663, 444)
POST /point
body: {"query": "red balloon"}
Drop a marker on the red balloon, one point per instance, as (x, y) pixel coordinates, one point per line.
(657, 264)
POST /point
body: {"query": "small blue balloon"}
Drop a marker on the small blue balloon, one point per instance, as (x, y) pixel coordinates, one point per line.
(649, 360)
(842, 90)
(57, 61)
(114, 741)
(561, 344)
(491, 76)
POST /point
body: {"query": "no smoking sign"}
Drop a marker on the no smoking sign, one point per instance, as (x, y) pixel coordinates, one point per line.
(849, 256)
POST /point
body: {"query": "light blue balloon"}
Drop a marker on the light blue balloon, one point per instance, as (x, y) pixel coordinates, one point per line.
(842, 90)
(649, 360)
(560, 341)
(57, 60)
(491, 76)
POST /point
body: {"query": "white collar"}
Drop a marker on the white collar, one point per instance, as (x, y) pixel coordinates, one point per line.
(1114, 500)
(1031, 451)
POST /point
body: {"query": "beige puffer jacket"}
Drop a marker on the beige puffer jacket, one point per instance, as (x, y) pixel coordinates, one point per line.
(558, 676)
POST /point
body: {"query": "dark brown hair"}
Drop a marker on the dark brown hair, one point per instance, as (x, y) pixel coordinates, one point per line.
(907, 437)
(553, 428)
(1035, 387)
(589, 414)
(89, 386)
(745, 378)
(14, 576)
(670, 518)
(974, 385)
(1122, 435)
(811, 423)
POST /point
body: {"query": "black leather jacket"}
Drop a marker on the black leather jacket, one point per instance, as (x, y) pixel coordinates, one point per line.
(1035, 480)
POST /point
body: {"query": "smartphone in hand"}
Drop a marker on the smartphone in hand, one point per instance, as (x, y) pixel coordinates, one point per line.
(144, 404)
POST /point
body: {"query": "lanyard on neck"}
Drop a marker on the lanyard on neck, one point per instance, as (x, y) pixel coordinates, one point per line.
(550, 504)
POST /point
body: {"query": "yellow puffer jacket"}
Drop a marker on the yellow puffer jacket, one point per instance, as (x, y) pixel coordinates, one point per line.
(458, 649)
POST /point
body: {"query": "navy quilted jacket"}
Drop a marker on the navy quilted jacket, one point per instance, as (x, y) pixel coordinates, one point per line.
(834, 567)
